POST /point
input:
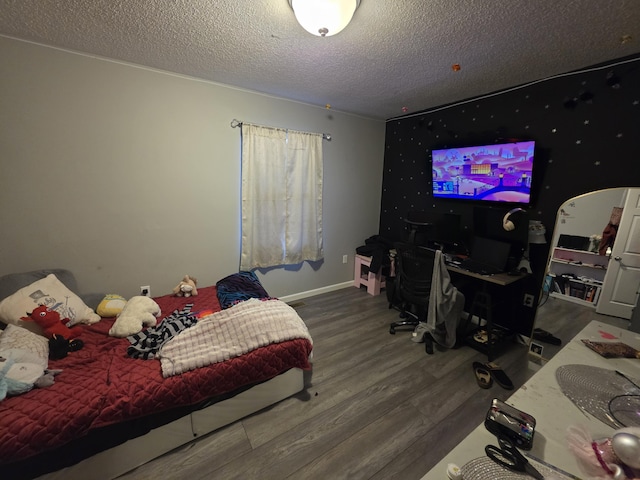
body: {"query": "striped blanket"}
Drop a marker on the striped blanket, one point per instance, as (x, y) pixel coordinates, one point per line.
(230, 333)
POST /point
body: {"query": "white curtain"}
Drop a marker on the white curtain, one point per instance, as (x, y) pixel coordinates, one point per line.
(281, 197)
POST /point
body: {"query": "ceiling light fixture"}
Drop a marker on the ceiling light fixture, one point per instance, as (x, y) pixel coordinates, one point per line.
(324, 17)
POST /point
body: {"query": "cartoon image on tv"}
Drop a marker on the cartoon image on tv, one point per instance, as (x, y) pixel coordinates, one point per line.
(498, 173)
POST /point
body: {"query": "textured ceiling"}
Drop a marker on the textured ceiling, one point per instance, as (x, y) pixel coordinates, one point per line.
(395, 56)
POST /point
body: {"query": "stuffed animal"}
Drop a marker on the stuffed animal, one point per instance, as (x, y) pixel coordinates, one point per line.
(59, 347)
(9, 386)
(137, 313)
(51, 323)
(19, 374)
(186, 288)
(111, 305)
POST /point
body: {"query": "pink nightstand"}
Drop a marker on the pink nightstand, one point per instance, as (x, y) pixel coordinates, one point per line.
(362, 276)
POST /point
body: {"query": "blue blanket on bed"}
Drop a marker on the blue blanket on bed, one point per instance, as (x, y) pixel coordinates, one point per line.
(239, 287)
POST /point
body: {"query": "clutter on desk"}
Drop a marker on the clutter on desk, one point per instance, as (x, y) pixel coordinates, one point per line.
(508, 455)
(625, 409)
(612, 349)
(510, 424)
(514, 430)
(484, 468)
(614, 457)
(454, 472)
(608, 395)
(559, 473)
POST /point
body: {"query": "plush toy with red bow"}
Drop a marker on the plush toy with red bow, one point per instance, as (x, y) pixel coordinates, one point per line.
(51, 323)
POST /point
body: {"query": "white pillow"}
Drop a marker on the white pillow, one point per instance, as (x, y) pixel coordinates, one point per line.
(16, 338)
(47, 291)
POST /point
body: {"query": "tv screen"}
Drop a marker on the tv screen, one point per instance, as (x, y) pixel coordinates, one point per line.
(491, 173)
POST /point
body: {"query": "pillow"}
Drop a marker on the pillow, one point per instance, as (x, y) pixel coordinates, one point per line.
(111, 305)
(17, 338)
(12, 282)
(48, 291)
(24, 357)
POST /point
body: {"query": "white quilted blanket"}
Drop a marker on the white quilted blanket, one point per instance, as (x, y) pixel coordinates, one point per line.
(230, 333)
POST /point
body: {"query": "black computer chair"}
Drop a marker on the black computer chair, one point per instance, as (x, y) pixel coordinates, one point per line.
(414, 269)
(419, 224)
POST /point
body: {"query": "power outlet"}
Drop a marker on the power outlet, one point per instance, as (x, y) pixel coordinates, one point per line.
(345, 258)
(528, 300)
(145, 290)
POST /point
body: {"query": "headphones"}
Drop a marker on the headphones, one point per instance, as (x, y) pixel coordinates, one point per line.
(507, 224)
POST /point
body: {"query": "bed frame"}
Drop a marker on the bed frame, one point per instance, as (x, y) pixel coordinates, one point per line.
(123, 458)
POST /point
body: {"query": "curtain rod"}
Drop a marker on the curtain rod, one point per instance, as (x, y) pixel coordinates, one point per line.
(237, 123)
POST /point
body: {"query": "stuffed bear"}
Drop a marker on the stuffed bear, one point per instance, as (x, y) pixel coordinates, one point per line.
(137, 313)
(186, 288)
(51, 323)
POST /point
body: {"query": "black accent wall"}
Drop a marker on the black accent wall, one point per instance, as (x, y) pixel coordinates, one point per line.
(586, 125)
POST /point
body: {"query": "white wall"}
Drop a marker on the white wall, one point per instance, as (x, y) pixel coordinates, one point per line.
(129, 176)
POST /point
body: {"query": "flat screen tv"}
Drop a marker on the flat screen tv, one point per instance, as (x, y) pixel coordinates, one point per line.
(490, 173)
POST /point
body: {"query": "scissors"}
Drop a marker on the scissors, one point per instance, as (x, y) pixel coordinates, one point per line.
(510, 457)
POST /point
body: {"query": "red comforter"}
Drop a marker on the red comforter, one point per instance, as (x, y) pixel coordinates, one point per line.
(100, 385)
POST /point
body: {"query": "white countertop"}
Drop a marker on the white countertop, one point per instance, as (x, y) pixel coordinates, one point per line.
(554, 412)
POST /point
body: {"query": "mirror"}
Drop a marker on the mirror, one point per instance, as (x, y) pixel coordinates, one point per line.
(574, 251)
(587, 215)
(593, 255)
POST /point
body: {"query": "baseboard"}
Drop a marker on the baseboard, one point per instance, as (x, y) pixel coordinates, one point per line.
(318, 291)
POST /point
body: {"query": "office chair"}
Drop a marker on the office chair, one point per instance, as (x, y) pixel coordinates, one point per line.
(419, 224)
(414, 269)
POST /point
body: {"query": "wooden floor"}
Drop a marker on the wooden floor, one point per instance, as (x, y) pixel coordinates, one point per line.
(377, 407)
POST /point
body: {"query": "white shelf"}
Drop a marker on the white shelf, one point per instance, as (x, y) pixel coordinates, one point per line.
(586, 281)
(571, 299)
(579, 264)
(577, 273)
(579, 257)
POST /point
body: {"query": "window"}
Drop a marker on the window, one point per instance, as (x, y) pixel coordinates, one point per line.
(281, 197)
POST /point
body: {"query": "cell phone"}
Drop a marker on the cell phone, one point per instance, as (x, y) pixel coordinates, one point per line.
(508, 422)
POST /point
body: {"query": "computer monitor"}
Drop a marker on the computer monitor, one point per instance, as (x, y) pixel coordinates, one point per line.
(488, 223)
(435, 230)
(447, 232)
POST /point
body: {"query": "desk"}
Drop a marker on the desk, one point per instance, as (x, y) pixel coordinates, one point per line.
(482, 300)
(502, 279)
(554, 412)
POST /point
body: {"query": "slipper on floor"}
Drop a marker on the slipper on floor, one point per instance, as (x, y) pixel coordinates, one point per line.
(499, 375)
(544, 336)
(483, 377)
(481, 336)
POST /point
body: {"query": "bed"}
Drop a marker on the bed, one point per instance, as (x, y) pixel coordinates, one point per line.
(108, 412)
